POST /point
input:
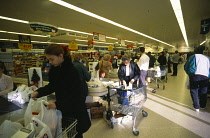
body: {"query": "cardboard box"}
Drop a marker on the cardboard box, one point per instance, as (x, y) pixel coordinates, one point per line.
(94, 104)
(96, 109)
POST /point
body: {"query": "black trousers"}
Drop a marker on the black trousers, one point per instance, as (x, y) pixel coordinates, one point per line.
(169, 66)
(175, 68)
(128, 79)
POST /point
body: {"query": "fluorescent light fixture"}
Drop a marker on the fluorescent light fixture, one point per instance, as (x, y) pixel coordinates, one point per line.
(203, 42)
(12, 19)
(8, 40)
(178, 12)
(82, 45)
(1, 31)
(111, 38)
(70, 6)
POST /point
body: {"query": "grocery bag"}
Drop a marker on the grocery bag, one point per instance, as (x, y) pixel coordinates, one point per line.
(59, 124)
(41, 129)
(38, 108)
(8, 129)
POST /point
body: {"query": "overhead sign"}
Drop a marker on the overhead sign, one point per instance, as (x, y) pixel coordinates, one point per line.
(99, 37)
(110, 48)
(42, 28)
(25, 43)
(121, 42)
(73, 46)
(205, 24)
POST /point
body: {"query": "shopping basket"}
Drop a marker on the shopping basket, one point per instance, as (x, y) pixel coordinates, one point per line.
(69, 128)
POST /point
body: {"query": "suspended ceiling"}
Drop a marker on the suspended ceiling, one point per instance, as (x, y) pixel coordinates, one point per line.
(155, 18)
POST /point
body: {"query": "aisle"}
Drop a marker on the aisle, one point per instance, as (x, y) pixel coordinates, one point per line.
(170, 115)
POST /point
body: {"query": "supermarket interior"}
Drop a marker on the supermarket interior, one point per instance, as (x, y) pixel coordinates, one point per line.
(144, 60)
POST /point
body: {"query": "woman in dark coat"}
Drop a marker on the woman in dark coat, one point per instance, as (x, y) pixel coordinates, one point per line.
(128, 71)
(83, 72)
(64, 80)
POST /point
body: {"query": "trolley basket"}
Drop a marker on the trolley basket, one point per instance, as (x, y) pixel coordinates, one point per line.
(68, 128)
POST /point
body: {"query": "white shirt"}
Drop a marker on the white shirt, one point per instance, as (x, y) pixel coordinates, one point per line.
(143, 62)
(127, 69)
(6, 85)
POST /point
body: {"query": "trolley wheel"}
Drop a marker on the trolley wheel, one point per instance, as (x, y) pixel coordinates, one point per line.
(154, 91)
(145, 114)
(109, 115)
(163, 87)
(136, 132)
(111, 125)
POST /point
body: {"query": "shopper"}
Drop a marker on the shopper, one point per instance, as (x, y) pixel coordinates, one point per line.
(65, 81)
(162, 60)
(197, 67)
(143, 64)
(83, 72)
(6, 82)
(152, 60)
(135, 58)
(105, 65)
(128, 71)
(175, 60)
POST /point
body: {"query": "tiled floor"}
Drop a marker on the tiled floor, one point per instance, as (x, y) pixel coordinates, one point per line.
(169, 115)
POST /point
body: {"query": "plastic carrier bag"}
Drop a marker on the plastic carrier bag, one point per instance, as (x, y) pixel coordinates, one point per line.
(37, 108)
(59, 124)
(41, 129)
(8, 129)
(21, 94)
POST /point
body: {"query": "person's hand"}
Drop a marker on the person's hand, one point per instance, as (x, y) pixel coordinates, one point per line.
(51, 105)
(132, 81)
(34, 94)
(123, 82)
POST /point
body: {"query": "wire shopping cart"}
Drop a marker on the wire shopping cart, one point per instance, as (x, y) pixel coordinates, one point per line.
(155, 74)
(69, 128)
(129, 102)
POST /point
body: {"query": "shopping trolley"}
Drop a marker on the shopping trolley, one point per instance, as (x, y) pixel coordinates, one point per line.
(68, 128)
(155, 74)
(129, 102)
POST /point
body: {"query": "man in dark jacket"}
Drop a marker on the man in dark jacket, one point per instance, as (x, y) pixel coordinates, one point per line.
(83, 72)
(152, 60)
(162, 60)
(128, 71)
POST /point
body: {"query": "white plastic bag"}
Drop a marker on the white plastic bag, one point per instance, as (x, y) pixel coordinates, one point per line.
(59, 123)
(34, 109)
(8, 129)
(37, 108)
(41, 129)
(21, 94)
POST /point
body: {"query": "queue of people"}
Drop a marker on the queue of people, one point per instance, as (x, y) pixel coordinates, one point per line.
(67, 77)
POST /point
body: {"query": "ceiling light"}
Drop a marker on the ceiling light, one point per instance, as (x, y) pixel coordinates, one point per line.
(12, 19)
(1, 31)
(70, 6)
(203, 42)
(8, 40)
(178, 12)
